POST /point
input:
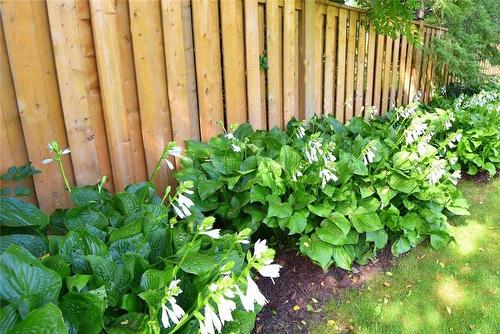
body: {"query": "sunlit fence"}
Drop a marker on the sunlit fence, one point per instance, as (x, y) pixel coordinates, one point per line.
(116, 80)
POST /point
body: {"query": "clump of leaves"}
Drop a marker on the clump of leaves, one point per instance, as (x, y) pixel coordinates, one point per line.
(341, 192)
(17, 174)
(126, 263)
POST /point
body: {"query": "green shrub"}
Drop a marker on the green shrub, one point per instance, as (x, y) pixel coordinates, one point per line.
(125, 263)
(341, 192)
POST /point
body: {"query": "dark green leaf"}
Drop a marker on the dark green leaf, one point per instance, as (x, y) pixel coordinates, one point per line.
(47, 319)
(17, 213)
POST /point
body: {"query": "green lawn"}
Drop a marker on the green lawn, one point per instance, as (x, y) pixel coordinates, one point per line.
(456, 290)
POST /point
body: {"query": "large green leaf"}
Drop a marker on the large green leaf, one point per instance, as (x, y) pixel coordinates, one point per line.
(47, 319)
(410, 221)
(113, 276)
(25, 282)
(242, 323)
(8, 318)
(318, 250)
(404, 185)
(289, 158)
(278, 209)
(365, 221)
(130, 323)
(379, 237)
(404, 160)
(76, 245)
(207, 188)
(197, 263)
(17, 213)
(297, 222)
(322, 210)
(341, 221)
(343, 256)
(37, 245)
(83, 311)
(400, 246)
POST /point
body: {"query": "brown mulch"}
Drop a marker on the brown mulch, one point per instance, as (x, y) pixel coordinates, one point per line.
(303, 283)
(480, 177)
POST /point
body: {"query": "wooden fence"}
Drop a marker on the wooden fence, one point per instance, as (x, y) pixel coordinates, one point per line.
(116, 80)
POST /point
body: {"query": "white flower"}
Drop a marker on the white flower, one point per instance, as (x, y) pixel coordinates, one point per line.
(175, 312)
(66, 151)
(326, 176)
(214, 234)
(183, 200)
(296, 175)
(301, 132)
(229, 136)
(437, 171)
(169, 164)
(175, 151)
(47, 161)
(252, 296)
(369, 155)
(415, 130)
(457, 175)
(259, 248)
(179, 212)
(212, 323)
(235, 148)
(313, 150)
(270, 270)
(225, 307)
(447, 124)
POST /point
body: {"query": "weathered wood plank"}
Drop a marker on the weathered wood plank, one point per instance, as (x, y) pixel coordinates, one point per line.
(208, 66)
(233, 45)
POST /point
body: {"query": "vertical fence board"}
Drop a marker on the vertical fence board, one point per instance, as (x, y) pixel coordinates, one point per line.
(408, 73)
(360, 71)
(425, 62)
(12, 145)
(319, 25)
(289, 75)
(386, 75)
(208, 66)
(350, 65)
(379, 62)
(394, 78)
(330, 57)
(370, 66)
(30, 53)
(341, 54)
(130, 89)
(256, 116)
(147, 39)
(262, 72)
(179, 65)
(126, 160)
(402, 71)
(274, 57)
(233, 44)
(313, 25)
(416, 69)
(76, 71)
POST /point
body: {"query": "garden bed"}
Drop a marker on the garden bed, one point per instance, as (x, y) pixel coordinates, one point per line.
(298, 296)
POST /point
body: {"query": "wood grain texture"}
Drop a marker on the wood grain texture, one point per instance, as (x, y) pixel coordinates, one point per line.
(394, 74)
(147, 40)
(330, 60)
(77, 73)
(274, 61)
(350, 66)
(13, 150)
(402, 70)
(233, 44)
(340, 95)
(29, 47)
(208, 66)
(379, 63)
(360, 69)
(386, 75)
(370, 66)
(289, 61)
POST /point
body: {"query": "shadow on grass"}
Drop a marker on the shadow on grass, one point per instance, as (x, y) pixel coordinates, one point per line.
(455, 290)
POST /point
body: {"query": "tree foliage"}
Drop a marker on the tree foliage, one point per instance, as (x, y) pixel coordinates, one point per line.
(473, 35)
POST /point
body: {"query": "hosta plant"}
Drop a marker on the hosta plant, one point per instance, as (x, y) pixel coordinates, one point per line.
(476, 119)
(130, 262)
(341, 192)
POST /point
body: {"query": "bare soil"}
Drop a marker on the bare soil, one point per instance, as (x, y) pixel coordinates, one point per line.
(303, 283)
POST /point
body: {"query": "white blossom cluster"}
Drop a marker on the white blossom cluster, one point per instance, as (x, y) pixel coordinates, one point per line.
(313, 150)
(182, 209)
(234, 144)
(405, 112)
(223, 292)
(455, 139)
(170, 311)
(481, 98)
(369, 152)
(415, 130)
(455, 176)
(437, 170)
(327, 174)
